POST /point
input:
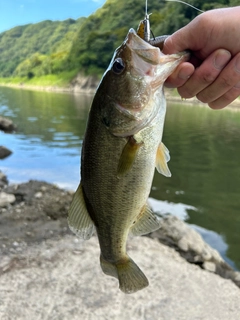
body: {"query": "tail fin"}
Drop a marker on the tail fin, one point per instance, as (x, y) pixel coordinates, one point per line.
(131, 278)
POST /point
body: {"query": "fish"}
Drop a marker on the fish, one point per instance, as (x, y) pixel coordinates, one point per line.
(121, 148)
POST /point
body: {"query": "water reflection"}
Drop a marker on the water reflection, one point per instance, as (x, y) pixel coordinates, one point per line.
(48, 140)
(179, 210)
(204, 148)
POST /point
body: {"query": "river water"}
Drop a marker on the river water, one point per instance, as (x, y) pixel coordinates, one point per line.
(204, 147)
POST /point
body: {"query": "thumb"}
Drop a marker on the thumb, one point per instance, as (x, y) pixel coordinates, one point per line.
(193, 36)
(178, 41)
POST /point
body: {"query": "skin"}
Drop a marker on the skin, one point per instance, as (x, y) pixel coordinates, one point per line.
(213, 72)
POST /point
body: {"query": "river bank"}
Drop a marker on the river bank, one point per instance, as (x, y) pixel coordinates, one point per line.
(55, 273)
(88, 85)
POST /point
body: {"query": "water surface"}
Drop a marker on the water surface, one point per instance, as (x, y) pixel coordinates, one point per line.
(204, 147)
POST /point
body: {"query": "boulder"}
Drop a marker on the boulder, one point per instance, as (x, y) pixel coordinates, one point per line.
(6, 199)
(4, 152)
(62, 279)
(6, 125)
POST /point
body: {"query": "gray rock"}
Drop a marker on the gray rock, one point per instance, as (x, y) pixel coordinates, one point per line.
(6, 199)
(6, 125)
(62, 279)
(38, 195)
(4, 152)
(3, 180)
(83, 83)
(189, 243)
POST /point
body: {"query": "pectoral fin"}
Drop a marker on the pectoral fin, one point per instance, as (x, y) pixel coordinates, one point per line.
(79, 220)
(145, 223)
(128, 156)
(161, 160)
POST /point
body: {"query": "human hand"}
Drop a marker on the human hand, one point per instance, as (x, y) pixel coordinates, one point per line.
(213, 72)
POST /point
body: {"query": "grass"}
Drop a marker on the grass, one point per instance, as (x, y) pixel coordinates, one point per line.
(60, 80)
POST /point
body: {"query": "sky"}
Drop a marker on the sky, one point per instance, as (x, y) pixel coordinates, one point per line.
(19, 12)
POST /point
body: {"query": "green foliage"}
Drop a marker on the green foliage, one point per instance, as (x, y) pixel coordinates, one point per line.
(87, 44)
(25, 43)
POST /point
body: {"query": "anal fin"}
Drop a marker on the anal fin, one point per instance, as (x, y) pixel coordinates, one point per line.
(146, 222)
(161, 160)
(79, 220)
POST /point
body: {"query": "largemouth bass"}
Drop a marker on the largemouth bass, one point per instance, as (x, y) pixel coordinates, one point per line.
(121, 148)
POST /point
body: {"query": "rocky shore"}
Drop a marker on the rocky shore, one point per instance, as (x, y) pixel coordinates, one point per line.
(7, 126)
(47, 273)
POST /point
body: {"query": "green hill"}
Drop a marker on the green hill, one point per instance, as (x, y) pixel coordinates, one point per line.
(87, 44)
(25, 48)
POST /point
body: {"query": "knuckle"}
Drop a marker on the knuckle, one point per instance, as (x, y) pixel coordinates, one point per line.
(208, 78)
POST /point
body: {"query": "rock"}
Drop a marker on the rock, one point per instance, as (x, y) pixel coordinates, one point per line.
(27, 191)
(38, 195)
(6, 199)
(209, 266)
(4, 152)
(40, 213)
(3, 180)
(83, 83)
(189, 243)
(62, 279)
(6, 125)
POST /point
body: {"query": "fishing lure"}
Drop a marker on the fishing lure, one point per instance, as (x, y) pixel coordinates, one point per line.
(144, 30)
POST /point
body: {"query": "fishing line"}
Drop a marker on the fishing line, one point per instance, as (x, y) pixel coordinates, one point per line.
(188, 4)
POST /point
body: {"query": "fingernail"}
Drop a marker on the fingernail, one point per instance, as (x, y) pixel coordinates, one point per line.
(221, 59)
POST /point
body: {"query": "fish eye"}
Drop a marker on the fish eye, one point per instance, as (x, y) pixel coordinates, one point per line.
(118, 66)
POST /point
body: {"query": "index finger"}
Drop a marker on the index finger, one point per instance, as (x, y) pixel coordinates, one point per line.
(188, 37)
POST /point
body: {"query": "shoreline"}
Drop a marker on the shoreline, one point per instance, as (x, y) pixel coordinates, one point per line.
(89, 85)
(39, 252)
(42, 209)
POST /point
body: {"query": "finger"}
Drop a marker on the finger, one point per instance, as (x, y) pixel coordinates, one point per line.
(178, 41)
(227, 79)
(226, 99)
(205, 74)
(185, 38)
(180, 75)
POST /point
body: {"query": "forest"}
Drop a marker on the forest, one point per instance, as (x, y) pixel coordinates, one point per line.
(86, 45)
